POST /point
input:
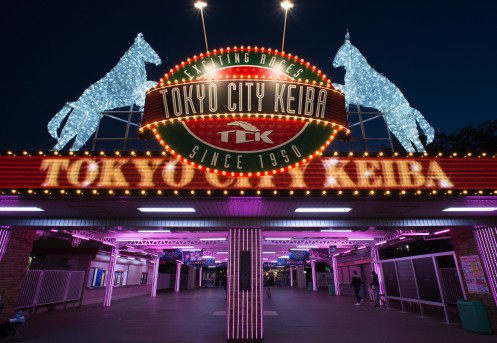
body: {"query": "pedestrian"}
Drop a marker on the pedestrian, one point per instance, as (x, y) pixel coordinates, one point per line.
(269, 284)
(375, 286)
(356, 285)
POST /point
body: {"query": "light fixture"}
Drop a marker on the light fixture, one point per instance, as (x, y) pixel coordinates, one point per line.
(361, 239)
(213, 239)
(200, 5)
(380, 243)
(286, 5)
(128, 239)
(268, 252)
(207, 257)
(183, 247)
(154, 231)
(299, 249)
(278, 238)
(308, 246)
(20, 209)
(166, 209)
(222, 252)
(442, 231)
(416, 234)
(284, 256)
(470, 209)
(323, 209)
(331, 230)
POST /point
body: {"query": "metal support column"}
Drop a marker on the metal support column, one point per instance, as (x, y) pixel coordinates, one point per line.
(178, 275)
(110, 278)
(335, 275)
(155, 276)
(314, 279)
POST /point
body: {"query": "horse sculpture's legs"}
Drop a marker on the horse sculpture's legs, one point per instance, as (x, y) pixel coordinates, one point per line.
(54, 123)
(69, 130)
(86, 129)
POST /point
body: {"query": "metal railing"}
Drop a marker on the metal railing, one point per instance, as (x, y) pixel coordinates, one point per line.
(45, 287)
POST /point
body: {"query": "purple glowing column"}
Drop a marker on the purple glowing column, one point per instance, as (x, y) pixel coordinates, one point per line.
(486, 241)
(200, 278)
(110, 279)
(244, 308)
(335, 275)
(291, 277)
(4, 241)
(314, 281)
(178, 275)
(155, 276)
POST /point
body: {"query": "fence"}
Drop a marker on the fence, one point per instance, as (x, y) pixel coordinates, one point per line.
(44, 287)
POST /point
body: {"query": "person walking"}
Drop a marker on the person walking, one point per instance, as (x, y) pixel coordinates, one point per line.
(356, 285)
(375, 286)
(269, 284)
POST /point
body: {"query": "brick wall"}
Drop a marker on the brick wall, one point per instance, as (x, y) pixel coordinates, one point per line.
(13, 268)
(464, 245)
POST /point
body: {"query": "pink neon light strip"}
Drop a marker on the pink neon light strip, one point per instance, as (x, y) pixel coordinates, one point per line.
(4, 241)
(486, 240)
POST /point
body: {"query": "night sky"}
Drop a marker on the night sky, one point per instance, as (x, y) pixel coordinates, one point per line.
(440, 53)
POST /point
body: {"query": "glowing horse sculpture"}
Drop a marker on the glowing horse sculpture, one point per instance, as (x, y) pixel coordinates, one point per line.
(366, 87)
(124, 85)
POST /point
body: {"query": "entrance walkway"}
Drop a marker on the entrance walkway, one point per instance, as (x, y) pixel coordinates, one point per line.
(292, 316)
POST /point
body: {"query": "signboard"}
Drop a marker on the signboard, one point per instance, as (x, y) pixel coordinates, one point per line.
(324, 173)
(244, 112)
(192, 257)
(298, 256)
(171, 255)
(319, 254)
(333, 250)
(474, 275)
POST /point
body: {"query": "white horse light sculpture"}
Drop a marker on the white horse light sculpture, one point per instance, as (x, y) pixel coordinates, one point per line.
(366, 87)
(125, 85)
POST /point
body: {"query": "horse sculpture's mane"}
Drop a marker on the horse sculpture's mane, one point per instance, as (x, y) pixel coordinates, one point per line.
(366, 87)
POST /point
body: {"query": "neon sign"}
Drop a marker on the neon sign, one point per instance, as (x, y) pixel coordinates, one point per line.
(244, 112)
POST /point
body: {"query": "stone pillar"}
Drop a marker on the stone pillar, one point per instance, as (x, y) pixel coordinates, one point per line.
(335, 275)
(178, 275)
(155, 276)
(191, 277)
(291, 276)
(301, 277)
(200, 278)
(314, 278)
(244, 308)
(17, 245)
(109, 286)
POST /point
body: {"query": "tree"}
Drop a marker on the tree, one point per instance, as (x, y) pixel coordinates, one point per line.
(475, 139)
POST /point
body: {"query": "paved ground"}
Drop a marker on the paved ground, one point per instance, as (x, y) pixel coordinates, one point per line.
(196, 316)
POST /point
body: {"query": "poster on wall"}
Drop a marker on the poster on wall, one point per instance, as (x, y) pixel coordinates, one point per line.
(473, 274)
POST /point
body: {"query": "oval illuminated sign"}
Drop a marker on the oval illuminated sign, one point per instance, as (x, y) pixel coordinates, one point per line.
(244, 112)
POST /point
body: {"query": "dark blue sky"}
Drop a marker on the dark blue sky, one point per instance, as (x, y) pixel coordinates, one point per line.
(440, 53)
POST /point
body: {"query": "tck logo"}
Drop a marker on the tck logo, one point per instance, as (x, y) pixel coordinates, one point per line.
(246, 134)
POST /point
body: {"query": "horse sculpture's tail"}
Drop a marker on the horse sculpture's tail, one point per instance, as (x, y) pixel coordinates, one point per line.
(428, 130)
(54, 123)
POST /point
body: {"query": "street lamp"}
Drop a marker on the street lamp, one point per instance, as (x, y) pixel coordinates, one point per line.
(200, 5)
(286, 5)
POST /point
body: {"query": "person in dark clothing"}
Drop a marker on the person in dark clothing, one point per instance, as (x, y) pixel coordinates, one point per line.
(269, 284)
(375, 286)
(356, 285)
